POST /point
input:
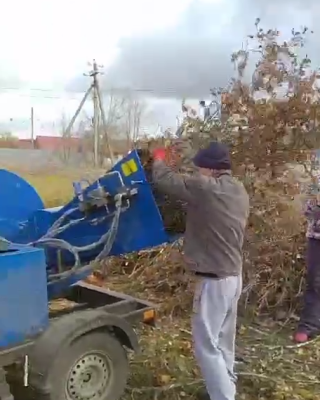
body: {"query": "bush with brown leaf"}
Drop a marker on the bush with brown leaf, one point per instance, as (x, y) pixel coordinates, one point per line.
(272, 127)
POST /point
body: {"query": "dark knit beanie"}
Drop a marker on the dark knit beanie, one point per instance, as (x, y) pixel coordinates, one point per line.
(215, 156)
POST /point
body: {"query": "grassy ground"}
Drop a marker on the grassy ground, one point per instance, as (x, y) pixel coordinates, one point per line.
(55, 187)
(270, 368)
(270, 365)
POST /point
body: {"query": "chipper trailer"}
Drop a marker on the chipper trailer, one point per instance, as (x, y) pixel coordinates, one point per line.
(79, 353)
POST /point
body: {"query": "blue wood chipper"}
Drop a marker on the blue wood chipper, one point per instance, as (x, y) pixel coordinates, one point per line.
(45, 253)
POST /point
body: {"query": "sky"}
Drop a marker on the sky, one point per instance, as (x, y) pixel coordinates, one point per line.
(162, 51)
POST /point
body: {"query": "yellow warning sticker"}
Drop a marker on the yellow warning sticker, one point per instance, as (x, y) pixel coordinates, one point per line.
(129, 167)
(132, 165)
(125, 169)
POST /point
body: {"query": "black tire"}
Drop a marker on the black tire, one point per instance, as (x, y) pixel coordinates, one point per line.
(95, 346)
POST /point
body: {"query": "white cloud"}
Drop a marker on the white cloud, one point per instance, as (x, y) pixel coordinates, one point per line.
(45, 41)
(44, 44)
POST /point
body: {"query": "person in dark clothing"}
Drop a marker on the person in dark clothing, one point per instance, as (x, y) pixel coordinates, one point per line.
(309, 324)
(217, 213)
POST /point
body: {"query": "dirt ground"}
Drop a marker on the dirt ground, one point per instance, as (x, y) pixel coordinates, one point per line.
(269, 366)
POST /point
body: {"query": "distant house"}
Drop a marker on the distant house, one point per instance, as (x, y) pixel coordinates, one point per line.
(73, 144)
(25, 144)
(52, 143)
(56, 143)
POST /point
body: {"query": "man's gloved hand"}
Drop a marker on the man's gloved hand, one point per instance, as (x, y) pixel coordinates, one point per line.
(159, 154)
(168, 155)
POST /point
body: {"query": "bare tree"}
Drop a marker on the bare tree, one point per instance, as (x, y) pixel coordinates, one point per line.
(124, 115)
(123, 123)
(8, 140)
(135, 111)
(111, 130)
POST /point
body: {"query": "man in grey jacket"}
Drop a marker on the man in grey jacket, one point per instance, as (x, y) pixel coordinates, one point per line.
(217, 213)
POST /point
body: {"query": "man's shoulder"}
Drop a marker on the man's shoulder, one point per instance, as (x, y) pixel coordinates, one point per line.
(226, 180)
(222, 185)
(234, 187)
(237, 183)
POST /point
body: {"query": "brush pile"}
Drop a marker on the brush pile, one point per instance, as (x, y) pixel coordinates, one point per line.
(272, 128)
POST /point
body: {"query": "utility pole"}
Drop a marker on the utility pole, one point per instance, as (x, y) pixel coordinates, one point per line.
(94, 74)
(97, 93)
(32, 127)
(69, 127)
(98, 110)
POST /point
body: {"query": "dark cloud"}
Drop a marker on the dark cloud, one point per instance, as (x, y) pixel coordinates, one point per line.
(193, 56)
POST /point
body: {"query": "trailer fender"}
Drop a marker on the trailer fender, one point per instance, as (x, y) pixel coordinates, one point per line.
(67, 329)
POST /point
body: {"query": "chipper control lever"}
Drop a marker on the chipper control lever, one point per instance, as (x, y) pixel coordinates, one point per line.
(90, 200)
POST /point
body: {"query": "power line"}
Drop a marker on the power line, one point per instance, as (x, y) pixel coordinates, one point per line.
(62, 96)
(33, 89)
(109, 89)
(45, 97)
(105, 90)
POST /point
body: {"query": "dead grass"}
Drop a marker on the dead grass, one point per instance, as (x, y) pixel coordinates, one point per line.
(269, 367)
(55, 188)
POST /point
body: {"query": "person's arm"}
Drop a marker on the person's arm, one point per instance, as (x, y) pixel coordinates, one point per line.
(170, 182)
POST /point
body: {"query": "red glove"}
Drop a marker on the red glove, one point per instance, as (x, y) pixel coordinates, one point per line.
(159, 154)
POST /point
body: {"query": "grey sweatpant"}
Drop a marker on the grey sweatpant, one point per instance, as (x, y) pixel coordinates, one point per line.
(214, 330)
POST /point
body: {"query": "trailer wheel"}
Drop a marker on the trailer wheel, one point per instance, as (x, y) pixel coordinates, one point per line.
(93, 367)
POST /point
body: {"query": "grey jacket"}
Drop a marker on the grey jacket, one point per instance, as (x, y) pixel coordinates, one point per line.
(217, 213)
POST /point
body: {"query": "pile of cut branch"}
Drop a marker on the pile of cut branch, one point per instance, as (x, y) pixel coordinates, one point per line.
(271, 138)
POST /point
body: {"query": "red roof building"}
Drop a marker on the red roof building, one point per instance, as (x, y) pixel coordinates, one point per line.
(25, 144)
(73, 144)
(51, 143)
(54, 143)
